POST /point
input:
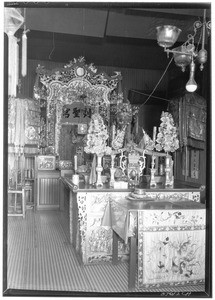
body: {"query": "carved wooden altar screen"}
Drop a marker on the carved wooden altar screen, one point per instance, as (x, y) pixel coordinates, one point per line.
(68, 97)
(190, 113)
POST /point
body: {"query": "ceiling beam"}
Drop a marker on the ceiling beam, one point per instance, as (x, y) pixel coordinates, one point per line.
(80, 21)
(194, 12)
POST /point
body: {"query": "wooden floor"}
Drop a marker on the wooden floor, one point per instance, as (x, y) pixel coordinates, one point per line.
(40, 258)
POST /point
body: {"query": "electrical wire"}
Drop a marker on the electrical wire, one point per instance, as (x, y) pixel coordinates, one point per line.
(53, 47)
(160, 98)
(158, 81)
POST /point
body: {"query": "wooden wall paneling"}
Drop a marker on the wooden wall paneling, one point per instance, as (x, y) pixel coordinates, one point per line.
(48, 190)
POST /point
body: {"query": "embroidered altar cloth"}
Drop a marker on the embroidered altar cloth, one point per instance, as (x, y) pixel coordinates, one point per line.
(171, 247)
(171, 239)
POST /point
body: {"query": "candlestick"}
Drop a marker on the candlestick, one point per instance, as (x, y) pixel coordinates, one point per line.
(153, 161)
(99, 170)
(168, 180)
(156, 165)
(153, 170)
(113, 132)
(154, 133)
(142, 163)
(112, 171)
(152, 178)
(75, 163)
(137, 124)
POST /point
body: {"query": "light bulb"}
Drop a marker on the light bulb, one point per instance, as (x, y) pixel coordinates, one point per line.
(191, 85)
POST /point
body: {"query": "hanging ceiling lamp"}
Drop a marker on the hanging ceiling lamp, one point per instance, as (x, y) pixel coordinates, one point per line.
(185, 55)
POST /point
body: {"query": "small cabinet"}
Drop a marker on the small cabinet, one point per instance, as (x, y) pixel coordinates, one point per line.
(48, 187)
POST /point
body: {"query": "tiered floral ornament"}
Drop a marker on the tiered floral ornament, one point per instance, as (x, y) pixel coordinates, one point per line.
(167, 140)
(97, 143)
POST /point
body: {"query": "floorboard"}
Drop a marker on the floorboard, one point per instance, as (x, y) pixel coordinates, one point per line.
(41, 258)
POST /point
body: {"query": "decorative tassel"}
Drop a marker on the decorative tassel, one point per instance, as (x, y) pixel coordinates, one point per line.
(10, 63)
(92, 179)
(15, 67)
(17, 64)
(24, 54)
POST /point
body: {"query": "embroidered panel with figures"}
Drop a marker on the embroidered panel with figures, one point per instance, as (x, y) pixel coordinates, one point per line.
(171, 247)
(96, 240)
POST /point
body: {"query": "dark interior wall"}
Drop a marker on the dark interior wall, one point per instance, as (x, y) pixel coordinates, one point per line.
(132, 78)
(79, 21)
(149, 116)
(111, 34)
(178, 80)
(109, 51)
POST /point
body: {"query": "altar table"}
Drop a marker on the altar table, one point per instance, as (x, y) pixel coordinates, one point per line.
(170, 238)
(84, 207)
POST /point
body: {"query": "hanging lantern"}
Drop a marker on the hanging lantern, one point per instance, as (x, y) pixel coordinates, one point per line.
(13, 20)
(167, 35)
(182, 57)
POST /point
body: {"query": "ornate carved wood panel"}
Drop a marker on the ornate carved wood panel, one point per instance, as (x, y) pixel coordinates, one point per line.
(72, 93)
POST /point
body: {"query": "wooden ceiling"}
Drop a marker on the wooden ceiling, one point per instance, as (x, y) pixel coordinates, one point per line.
(115, 34)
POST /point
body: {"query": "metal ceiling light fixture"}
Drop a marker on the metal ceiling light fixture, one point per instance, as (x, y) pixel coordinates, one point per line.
(184, 55)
